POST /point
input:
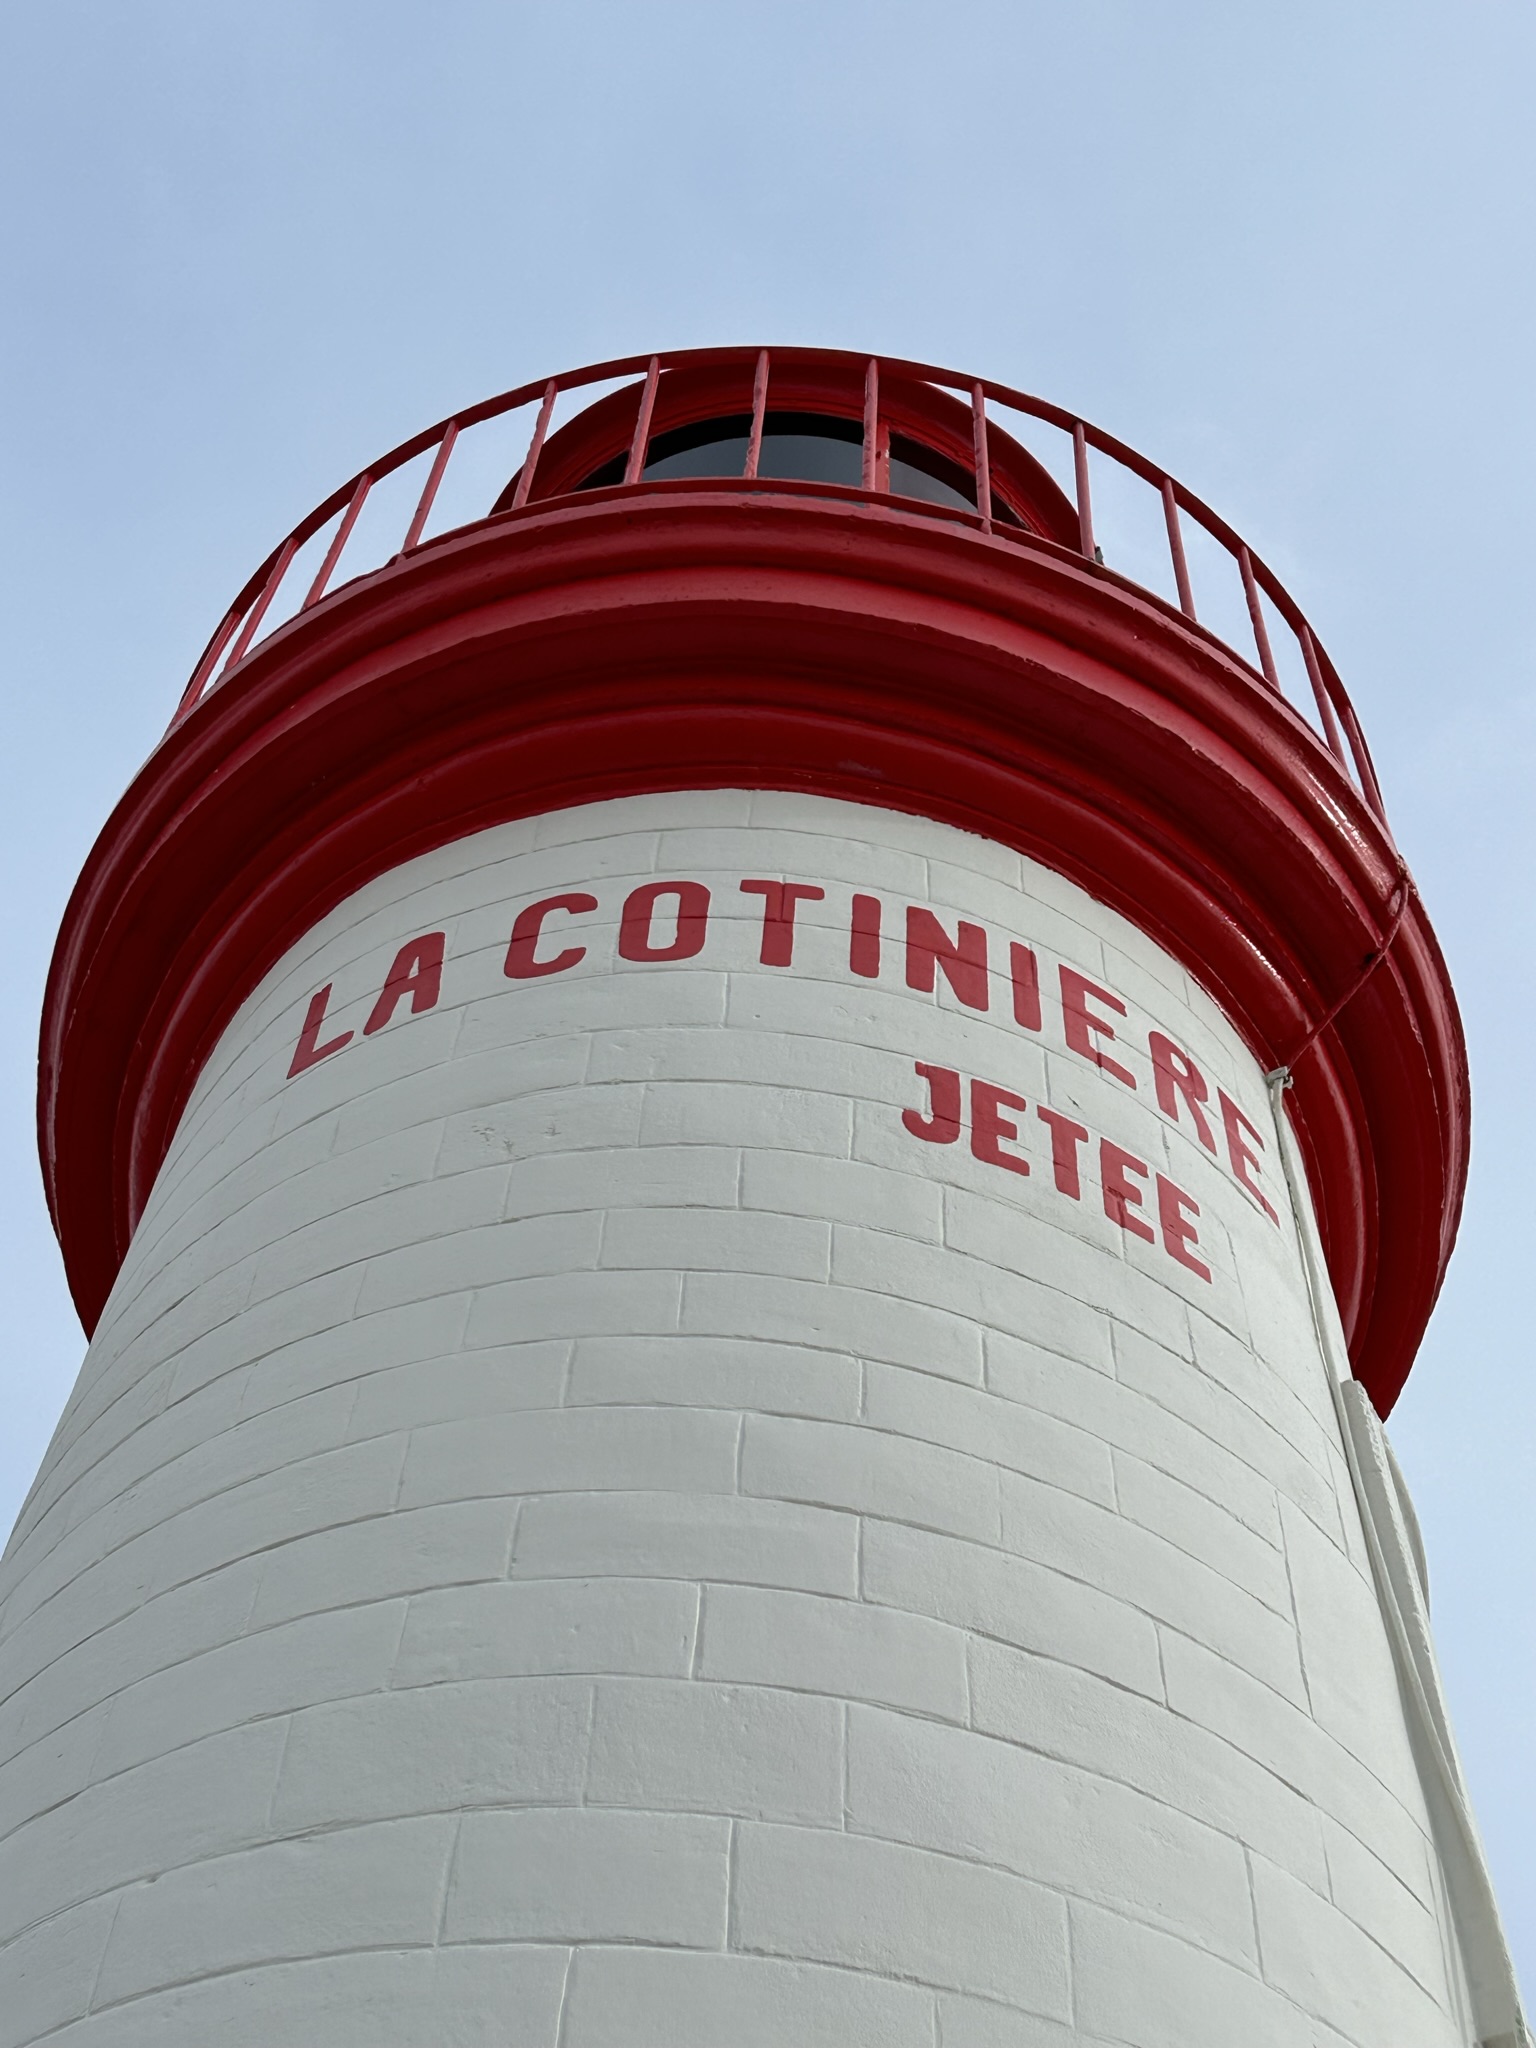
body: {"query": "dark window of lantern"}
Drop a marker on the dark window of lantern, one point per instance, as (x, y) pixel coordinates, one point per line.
(803, 447)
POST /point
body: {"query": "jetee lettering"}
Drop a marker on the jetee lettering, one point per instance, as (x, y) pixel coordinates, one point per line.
(997, 1124)
(669, 920)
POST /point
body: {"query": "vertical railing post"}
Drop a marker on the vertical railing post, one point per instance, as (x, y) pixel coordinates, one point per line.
(759, 413)
(1364, 767)
(1320, 692)
(209, 662)
(429, 489)
(535, 446)
(339, 540)
(1084, 500)
(1256, 614)
(1176, 549)
(983, 459)
(871, 466)
(634, 469)
(258, 610)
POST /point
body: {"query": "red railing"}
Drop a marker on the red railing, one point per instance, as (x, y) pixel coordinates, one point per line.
(332, 530)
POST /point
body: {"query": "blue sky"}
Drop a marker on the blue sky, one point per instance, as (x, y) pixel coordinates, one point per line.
(1288, 252)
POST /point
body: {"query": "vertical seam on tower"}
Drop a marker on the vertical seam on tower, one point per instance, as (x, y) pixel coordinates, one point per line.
(463, 1329)
(1253, 1907)
(277, 1775)
(846, 1766)
(394, 1655)
(448, 1870)
(461, 1018)
(405, 1451)
(565, 1992)
(591, 1733)
(1301, 1653)
(517, 1523)
(346, 1422)
(259, 1580)
(437, 1149)
(101, 1736)
(101, 1962)
(696, 1654)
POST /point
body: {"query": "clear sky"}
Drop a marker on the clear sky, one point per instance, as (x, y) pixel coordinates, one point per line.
(1286, 251)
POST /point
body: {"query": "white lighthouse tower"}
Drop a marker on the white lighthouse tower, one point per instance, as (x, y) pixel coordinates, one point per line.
(749, 1148)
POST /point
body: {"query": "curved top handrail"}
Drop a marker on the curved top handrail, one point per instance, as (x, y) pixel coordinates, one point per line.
(1336, 722)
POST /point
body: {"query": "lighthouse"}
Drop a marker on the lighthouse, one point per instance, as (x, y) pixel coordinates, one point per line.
(751, 1128)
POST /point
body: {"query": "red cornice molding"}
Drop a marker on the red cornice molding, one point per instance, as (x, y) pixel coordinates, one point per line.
(698, 636)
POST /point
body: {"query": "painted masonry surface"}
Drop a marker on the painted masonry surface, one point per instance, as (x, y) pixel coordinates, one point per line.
(713, 1430)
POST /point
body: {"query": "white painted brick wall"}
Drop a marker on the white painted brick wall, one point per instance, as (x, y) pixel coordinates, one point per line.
(652, 1998)
(579, 1528)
